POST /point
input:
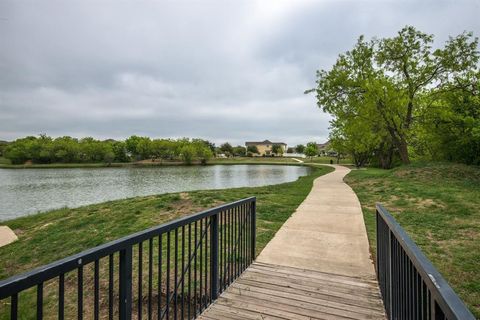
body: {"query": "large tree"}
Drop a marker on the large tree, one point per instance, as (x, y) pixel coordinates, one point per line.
(384, 82)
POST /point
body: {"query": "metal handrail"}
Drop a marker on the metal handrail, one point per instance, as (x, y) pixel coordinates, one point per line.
(411, 286)
(223, 239)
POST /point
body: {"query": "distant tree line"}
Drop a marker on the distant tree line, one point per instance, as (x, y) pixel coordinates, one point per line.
(394, 99)
(45, 149)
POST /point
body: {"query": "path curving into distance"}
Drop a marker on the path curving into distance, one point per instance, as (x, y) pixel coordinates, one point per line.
(317, 266)
(326, 233)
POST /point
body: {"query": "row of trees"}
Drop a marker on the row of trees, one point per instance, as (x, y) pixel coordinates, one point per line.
(398, 98)
(44, 149)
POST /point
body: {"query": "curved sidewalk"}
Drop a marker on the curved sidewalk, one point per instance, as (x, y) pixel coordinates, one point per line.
(317, 266)
(326, 233)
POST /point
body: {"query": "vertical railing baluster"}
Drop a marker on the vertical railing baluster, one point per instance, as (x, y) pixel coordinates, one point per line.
(175, 296)
(206, 285)
(150, 277)
(189, 270)
(225, 258)
(14, 307)
(253, 229)
(140, 280)
(235, 242)
(232, 259)
(195, 269)
(220, 250)
(80, 293)
(40, 301)
(167, 301)
(159, 305)
(240, 240)
(182, 279)
(110, 287)
(61, 297)
(96, 289)
(125, 284)
(244, 244)
(200, 261)
(214, 256)
(389, 268)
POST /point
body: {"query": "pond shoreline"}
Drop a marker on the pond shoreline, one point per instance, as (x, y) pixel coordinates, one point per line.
(167, 163)
(32, 191)
(51, 235)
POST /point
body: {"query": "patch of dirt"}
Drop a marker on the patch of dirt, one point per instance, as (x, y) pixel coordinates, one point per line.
(46, 225)
(18, 232)
(425, 203)
(184, 195)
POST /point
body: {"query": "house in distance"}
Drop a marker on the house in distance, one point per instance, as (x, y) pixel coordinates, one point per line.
(266, 148)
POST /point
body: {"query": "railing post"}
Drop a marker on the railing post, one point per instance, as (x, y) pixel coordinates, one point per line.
(214, 256)
(125, 290)
(389, 273)
(254, 228)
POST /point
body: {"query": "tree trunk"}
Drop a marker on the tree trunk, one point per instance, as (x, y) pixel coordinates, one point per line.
(403, 151)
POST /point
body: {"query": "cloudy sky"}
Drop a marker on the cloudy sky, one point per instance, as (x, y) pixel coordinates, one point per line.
(220, 70)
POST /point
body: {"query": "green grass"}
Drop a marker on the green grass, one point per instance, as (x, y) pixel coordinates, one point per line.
(4, 161)
(438, 204)
(326, 160)
(46, 237)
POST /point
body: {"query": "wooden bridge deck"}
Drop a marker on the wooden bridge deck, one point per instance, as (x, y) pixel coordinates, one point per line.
(267, 291)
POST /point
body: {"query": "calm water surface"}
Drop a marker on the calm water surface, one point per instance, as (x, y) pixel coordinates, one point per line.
(28, 191)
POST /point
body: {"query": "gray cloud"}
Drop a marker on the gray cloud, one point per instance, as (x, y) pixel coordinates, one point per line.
(221, 70)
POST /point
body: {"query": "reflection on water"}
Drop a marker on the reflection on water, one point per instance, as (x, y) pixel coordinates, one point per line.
(28, 191)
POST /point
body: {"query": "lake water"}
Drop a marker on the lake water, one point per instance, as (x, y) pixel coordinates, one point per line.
(28, 191)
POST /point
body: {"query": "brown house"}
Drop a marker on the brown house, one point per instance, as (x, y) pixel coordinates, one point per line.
(265, 147)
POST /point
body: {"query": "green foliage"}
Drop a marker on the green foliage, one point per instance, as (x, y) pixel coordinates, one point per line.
(382, 94)
(3, 146)
(277, 149)
(187, 152)
(46, 150)
(252, 149)
(311, 149)
(227, 148)
(239, 151)
(300, 148)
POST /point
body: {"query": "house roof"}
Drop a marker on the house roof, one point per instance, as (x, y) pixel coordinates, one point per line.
(253, 143)
(323, 145)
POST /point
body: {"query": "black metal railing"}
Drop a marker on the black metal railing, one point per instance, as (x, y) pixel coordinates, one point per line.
(411, 287)
(172, 271)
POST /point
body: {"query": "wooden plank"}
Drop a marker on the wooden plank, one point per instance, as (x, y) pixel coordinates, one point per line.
(282, 306)
(264, 309)
(304, 285)
(301, 297)
(356, 281)
(352, 302)
(246, 313)
(272, 292)
(306, 308)
(318, 282)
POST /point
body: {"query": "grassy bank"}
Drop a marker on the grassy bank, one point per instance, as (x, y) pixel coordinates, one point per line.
(439, 207)
(5, 163)
(49, 236)
(326, 160)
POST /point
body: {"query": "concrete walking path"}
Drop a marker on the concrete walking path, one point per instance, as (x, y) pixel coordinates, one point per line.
(326, 233)
(317, 266)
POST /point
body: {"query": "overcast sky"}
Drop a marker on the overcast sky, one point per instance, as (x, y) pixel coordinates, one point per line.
(219, 70)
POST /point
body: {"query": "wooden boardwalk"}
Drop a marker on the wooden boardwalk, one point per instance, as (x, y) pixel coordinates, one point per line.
(267, 291)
